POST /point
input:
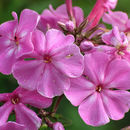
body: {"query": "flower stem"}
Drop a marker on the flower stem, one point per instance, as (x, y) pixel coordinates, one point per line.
(57, 104)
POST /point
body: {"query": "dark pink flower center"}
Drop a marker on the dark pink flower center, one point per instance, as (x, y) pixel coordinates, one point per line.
(47, 58)
(99, 88)
(15, 99)
(16, 40)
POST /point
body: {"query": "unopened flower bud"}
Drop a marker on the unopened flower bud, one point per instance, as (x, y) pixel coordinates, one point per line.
(58, 126)
(86, 46)
(70, 26)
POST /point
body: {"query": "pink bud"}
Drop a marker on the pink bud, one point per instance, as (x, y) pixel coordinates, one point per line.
(70, 26)
(58, 126)
(86, 46)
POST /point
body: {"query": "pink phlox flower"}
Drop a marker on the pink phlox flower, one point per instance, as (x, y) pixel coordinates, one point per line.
(101, 92)
(15, 38)
(15, 102)
(117, 18)
(56, 59)
(50, 17)
(119, 42)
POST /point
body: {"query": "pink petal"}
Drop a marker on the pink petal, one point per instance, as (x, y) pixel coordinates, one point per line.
(62, 11)
(25, 46)
(92, 111)
(34, 99)
(55, 40)
(12, 126)
(115, 103)
(48, 19)
(5, 111)
(79, 15)
(8, 29)
(112, 37)
(69, 61)
(80, 89)
(117, 18)
(4, 97)
(95, 66)
(27, 117)
(52, 82)
(7, 60)
(28, 21)
(28, 73)
(117, 74)
(39, 43)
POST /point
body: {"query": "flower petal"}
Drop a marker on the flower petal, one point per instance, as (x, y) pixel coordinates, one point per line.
(39, 41)
(112, 37)
(69, 61)
(28, 21)
(92, 111)
(52, 82)
(116, 18)
(34, 99)
(4, 97)
(28, 73)
(8, 29)
(56, 40)
(7, 60)
(5, 111)
(117, 74)
(25, 46)
(12, 126)
(79, 15)
(95, 66)
(27, 117)
(115, 103)
(80, 89)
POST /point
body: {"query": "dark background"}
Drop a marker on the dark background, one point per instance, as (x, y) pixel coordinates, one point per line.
(8, 84)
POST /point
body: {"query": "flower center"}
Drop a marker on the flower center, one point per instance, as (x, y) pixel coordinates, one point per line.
(15, 99)
(16, 40)
(99, 88)
(47, 59)
(121, 50)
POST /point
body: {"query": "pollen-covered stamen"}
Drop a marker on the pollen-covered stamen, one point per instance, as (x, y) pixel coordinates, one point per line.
(99, 88)
(15, 99)
(70, 55)
(47, 59)
(121, 50)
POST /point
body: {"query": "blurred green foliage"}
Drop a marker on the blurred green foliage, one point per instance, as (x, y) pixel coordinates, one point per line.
(8, 83)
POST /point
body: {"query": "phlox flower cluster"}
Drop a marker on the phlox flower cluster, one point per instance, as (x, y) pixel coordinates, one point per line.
(62, 52)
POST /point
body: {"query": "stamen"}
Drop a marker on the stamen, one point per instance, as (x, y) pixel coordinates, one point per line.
(99, 88)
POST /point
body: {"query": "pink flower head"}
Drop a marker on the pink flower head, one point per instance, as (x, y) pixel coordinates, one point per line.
(51, 17)
(117, 18)
(58, 126)
(24, 116)
(15, 39)
(56, 60)
(101, 92)
(118, 41)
